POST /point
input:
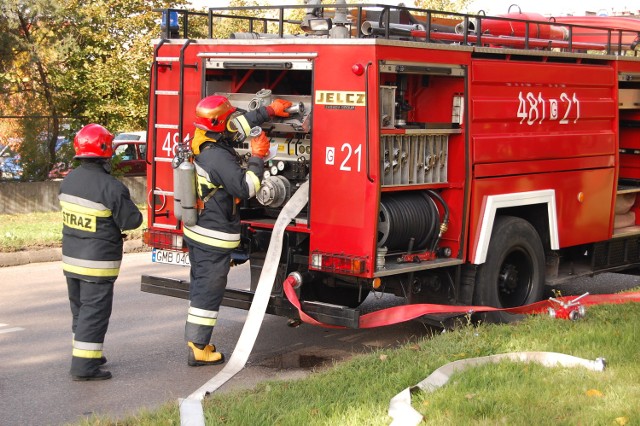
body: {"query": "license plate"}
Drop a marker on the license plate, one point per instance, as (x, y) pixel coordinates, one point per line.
(172, 257)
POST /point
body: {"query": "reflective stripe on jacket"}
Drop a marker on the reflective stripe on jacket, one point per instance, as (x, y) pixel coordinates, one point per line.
(96, 208)
(212, 238)
(221, 180)
(92, 268)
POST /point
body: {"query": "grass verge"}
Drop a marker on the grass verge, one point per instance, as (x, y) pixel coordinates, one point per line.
(357, 392)
(41, 230)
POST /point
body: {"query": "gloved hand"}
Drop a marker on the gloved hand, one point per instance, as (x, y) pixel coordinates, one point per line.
(260, 145)
(278, 106)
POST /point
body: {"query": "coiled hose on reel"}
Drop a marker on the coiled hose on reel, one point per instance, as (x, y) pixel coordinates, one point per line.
(408, 215)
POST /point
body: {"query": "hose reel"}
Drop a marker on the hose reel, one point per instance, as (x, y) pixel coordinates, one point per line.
(407, 215)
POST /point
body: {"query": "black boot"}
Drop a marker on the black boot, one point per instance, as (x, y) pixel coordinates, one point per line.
(98, 375)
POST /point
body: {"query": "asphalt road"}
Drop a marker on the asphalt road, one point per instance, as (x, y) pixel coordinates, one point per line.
(144, 345)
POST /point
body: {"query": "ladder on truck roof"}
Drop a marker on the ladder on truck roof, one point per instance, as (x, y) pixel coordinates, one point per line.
(165, 62)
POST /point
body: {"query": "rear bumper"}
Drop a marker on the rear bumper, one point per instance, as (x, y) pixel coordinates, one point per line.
(241, 299)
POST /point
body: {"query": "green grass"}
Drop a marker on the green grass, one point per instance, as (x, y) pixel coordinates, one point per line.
(40, 230)
(357, 392)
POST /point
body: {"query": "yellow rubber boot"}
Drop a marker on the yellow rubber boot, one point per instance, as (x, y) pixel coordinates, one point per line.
(205, 356)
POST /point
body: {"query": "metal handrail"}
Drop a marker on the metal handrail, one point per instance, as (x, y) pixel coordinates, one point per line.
(276, 15)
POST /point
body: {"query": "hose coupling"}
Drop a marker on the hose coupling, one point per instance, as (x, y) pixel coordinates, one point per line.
(297, 277)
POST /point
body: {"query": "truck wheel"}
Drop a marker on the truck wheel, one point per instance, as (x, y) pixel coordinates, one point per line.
(513, 274)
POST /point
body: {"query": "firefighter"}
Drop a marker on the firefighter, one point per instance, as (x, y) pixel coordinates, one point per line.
(96, 208)
(221, 182)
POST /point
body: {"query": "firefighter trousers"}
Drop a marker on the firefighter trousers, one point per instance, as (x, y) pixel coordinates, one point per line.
(91, 304)
(208, 280)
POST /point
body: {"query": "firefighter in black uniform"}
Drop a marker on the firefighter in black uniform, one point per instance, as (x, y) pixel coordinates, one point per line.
(221, 181)
(96, 208)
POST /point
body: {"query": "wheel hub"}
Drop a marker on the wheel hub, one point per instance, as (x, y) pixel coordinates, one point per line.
(508, 280)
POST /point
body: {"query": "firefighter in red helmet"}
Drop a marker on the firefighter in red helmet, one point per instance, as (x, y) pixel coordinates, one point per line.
(96, 208)
(220, 181)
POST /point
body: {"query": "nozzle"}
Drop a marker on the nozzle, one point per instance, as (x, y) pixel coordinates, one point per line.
(297, 108)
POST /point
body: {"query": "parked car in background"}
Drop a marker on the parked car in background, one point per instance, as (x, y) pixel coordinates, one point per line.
(63, 150)
(132, 157)
(129, 152)
(60, 170)
(140, 136)
(10, 167)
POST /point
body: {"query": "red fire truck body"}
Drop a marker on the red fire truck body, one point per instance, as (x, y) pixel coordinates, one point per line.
(448, 171)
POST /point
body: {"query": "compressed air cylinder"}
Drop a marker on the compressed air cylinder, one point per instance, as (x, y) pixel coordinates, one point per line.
(177, 208)
(187, 189)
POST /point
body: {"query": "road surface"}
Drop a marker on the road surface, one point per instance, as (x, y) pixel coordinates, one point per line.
(144, 346)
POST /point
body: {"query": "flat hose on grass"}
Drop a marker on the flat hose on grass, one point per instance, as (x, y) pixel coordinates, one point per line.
(191, 412)
(403, 414)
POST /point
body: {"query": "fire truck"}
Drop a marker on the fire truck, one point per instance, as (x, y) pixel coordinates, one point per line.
(451, 158)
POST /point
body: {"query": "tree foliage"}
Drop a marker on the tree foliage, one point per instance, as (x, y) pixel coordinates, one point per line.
(224, 27)
(72, 62)
(66, 63)
(444, 5)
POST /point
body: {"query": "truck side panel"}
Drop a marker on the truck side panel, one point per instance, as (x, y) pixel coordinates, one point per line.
(578, 222)
(537, 126)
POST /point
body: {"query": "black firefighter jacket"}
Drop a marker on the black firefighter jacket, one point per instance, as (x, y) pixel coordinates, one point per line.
(221, 180)
(96, 208)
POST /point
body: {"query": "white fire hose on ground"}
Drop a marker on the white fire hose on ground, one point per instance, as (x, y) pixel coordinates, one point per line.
(403, 414)
(191, 411)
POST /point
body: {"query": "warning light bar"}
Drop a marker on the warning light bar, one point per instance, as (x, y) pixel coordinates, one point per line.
(339, 263)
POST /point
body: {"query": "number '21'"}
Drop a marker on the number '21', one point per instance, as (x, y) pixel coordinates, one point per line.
(358, 151)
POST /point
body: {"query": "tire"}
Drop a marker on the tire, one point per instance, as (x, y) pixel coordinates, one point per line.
(513, 273)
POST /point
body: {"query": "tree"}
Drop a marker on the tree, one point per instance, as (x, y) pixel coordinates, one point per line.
(25, 75)
(224, 27)
(444, 5)
(75, 61)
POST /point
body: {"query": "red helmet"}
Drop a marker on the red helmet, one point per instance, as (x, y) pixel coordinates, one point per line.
(212, 113)
(93, 141)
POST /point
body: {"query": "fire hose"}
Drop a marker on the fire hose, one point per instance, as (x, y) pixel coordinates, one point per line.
(400, 409)
(191, 411)
(402, 413)
(561, 307)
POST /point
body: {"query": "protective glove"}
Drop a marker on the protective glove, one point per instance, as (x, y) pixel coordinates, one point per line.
(278, 106)
(260, 145)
